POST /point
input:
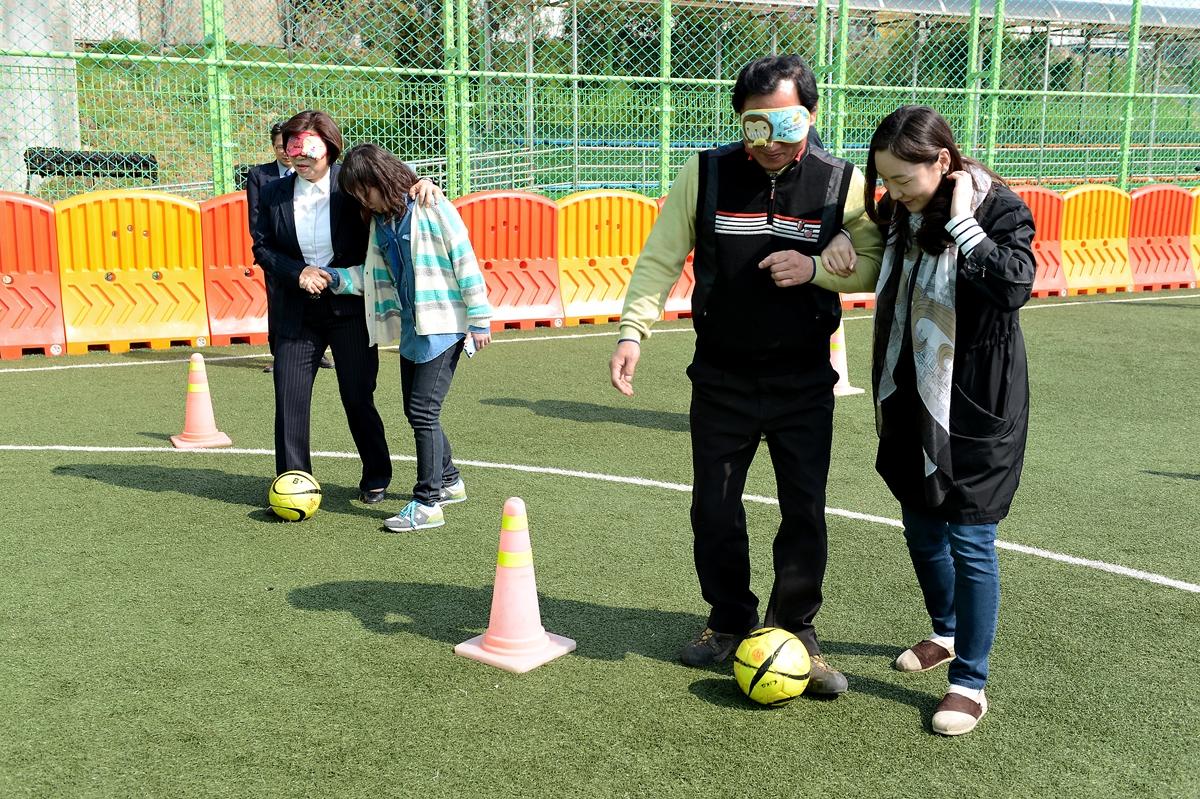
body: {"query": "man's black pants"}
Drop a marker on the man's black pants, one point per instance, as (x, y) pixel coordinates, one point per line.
(730, 414)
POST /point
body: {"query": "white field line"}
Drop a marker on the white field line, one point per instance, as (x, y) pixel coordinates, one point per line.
(1098, 565)
(560, 337)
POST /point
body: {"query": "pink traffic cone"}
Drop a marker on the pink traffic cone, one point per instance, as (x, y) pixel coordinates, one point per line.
(199, 425)
(515, 639)
(837, 357)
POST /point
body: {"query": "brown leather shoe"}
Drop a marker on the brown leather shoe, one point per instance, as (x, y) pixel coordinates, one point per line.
(957, 715)
(923, 657)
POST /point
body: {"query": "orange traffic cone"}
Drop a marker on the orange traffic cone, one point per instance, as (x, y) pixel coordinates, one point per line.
(515, 639)
(837, 357)
(199, 426)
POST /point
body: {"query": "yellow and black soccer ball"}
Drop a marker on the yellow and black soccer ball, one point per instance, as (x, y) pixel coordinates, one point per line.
(294, 496)
(771, 666)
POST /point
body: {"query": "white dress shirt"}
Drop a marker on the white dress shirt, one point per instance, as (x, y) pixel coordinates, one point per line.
(310, 206)
(284, 171)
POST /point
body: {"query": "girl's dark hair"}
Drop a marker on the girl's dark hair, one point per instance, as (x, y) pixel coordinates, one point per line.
(917, 134)
(369, 166)
(319, 123)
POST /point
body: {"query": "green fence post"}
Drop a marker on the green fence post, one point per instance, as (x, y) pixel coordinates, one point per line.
(1135, 25)
(220, 131)
(464, 99)
(972, 86)
(664, 121)
(839, 96)
(820, 61)
(575, 93)
(989, 157)
(449, 60)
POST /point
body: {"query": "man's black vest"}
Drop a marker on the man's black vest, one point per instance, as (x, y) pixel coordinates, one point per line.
(743, 320)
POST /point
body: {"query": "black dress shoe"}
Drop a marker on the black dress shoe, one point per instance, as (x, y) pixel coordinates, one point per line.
(326, 362)
(373, 497)
(269, 368)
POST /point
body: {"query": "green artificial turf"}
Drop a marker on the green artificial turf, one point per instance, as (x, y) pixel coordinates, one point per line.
(161, 635)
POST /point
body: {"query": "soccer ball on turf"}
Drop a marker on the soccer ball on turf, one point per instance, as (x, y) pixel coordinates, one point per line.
(294, 496)
(771, 666)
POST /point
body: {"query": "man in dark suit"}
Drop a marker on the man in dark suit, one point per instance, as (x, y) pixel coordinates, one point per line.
(256, 178)
(302, 223)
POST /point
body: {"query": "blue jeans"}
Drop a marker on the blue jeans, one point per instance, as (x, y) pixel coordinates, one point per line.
(424, 386)
(959, 575)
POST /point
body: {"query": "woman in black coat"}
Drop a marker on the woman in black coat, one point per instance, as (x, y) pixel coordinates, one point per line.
(950, 381)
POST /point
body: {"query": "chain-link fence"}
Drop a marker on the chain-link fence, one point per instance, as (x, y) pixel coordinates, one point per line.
(558, 95)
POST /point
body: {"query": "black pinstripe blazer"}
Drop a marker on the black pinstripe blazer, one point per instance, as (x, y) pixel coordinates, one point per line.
(277, 250)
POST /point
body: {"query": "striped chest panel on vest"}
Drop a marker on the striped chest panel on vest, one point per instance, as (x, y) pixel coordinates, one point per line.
(743, 215)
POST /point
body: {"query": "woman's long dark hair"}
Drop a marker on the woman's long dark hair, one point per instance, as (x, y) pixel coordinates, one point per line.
(369, 166)
(917, 134)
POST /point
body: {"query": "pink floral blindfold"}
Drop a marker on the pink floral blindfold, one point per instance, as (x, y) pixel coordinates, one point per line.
(306, 144)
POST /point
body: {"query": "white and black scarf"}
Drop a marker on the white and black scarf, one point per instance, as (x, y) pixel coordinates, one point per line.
(915, 294)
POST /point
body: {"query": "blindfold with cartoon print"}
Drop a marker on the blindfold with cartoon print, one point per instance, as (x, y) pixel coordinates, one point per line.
(764, 125)
(306, 144)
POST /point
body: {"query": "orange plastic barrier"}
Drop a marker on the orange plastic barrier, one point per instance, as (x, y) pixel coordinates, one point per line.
(130, 270)
(1047, 209)
(679, 301)
(1095, 247)
(600, 234)
(234, 285)
(515, 237)
(1160, 238)
(862, 299)
(31, 318)
(1196, 229)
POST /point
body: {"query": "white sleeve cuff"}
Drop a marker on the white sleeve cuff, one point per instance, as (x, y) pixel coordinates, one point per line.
(966, 232)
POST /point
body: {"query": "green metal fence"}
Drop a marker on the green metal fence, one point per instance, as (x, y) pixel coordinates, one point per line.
(565, 94)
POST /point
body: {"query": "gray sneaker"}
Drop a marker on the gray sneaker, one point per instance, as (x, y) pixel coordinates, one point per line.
(708, 647)
(824, 680)
(455, 492)
(415, 516)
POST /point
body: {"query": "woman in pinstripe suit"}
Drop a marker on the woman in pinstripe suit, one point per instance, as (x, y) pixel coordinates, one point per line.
(305, 222)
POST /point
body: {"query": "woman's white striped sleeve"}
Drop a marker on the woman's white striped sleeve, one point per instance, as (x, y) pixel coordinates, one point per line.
(966, 232)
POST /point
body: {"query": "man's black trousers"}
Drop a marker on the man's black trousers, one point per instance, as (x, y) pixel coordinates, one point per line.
(731, 413)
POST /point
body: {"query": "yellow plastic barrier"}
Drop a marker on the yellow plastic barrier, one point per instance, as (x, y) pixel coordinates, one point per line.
(1196, 231)
(131, 270)
(1095, 240)
(600, 234)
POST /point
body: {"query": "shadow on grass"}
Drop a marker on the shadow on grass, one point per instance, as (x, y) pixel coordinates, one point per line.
(1154, 306)
(593, 412)
(236, 489)
(454, 613)
(725, 693)
(1175, 475)
(925, 703)
(835, 648)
